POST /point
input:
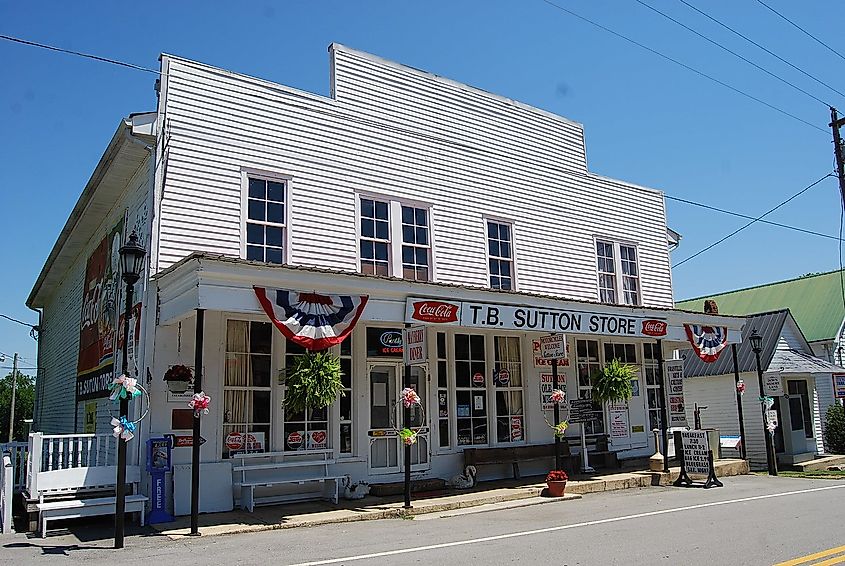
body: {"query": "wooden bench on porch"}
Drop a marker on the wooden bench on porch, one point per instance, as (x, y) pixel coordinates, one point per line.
(513, 455)
(269, 469)
(71, 493)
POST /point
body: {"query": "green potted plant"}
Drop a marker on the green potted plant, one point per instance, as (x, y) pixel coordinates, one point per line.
(556, 482)
(313, 381)
(612, 383)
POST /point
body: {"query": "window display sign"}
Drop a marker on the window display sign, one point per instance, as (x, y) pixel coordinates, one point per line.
(384, 342)
(516, 429)
(245, 442)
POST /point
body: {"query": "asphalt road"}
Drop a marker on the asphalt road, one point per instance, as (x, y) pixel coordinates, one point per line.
(752, 520)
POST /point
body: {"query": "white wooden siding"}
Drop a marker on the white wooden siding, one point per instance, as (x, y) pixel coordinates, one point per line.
(401, 133)
(59, 342)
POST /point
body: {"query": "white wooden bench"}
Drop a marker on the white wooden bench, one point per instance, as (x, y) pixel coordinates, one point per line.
(60, 485)
(269, 469)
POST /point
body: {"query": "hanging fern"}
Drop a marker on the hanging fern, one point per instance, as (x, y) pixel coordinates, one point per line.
(313, 381)
(612, 383)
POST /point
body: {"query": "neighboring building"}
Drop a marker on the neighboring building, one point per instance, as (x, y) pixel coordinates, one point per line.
(816, 301)
(806, 381)
(441, 203)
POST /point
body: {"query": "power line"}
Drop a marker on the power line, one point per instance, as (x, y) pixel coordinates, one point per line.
(808, 34)
(79, 54)
(752, 42)
(684, 65)
(748, 217)
(740, 229)
(732, 52)
(16, 320)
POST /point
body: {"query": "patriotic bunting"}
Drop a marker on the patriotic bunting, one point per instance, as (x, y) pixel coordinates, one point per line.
(312, 320)
(707, 341)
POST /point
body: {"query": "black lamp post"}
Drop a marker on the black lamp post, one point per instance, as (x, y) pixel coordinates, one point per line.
(131, 260)
(757, 346)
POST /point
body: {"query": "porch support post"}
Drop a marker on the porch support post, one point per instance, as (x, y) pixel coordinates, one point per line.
(739, 406)
(556, 409)
(406, 419)
(664, 424)
(195, 448)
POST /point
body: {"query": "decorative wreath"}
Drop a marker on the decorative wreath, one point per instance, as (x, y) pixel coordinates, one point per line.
(409, 398)
(199, 403)
(557, 396)
(125, 387)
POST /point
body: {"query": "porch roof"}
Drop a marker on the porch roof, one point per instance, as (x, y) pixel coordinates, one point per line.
(793, 361)
(225, 283)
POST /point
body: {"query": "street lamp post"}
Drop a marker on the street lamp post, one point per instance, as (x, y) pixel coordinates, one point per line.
(757, 346)
(131, 260)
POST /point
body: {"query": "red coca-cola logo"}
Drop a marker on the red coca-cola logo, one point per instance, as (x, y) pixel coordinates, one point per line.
(654, 328)
(435, 312)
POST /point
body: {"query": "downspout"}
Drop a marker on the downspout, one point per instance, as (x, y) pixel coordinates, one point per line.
(39, 381)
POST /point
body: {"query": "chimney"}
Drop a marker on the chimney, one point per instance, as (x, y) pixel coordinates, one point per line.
(710, 307)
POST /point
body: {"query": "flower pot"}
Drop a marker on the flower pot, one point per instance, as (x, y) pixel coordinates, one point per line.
(556, 488)
(177, 386)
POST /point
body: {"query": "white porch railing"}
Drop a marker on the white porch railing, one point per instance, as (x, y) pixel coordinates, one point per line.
(17, 452)
(61, 451)
(6, 494)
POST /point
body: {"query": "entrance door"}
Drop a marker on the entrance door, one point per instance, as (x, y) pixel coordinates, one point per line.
(386, 411)
(798, 428)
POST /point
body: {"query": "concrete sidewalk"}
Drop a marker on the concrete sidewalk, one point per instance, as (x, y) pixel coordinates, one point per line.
(485, 494)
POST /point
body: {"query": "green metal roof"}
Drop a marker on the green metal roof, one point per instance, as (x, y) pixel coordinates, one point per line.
(815, 302)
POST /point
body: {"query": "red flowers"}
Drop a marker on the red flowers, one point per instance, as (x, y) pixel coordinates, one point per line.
(557, 475)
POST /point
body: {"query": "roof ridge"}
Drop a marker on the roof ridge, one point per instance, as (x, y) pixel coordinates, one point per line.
(760, 286)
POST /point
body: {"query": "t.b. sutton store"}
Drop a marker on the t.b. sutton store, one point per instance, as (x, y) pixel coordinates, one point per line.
(477, 369)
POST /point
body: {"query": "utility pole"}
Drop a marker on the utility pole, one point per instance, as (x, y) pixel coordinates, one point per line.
(12, 408)
(835, 123)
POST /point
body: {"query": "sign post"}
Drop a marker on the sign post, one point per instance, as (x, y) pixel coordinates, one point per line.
(696, 458)
(554, 346)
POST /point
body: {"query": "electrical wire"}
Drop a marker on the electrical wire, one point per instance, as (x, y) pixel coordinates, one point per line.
(741, 228)
(748, 217)
(770, 52)
(808, 34)
(80, 54)
(685, 66)
(732, 52)
(7, 317)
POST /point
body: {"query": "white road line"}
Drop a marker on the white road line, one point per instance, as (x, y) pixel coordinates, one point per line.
(563, 527)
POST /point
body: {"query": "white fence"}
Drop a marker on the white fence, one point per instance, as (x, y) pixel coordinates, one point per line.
(61, 451)
(6, 494)
(17, 453)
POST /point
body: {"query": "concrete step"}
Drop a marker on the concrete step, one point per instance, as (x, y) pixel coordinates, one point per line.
(821, 463)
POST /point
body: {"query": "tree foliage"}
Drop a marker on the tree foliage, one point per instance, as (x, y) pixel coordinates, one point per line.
(834, 430)
(24, 404)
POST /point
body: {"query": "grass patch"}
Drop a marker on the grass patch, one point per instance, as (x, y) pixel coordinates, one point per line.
(815, 474)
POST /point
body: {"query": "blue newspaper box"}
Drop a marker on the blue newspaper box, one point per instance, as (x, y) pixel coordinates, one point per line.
(159, 462)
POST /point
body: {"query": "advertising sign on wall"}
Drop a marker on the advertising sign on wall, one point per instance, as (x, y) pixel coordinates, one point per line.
(772, 384)
(674, 373)
(100, 294)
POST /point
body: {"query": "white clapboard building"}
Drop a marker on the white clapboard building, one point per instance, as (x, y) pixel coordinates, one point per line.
(442, 205)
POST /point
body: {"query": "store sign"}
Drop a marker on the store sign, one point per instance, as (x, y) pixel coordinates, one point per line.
(384, 342)
(546, 388)
(415, 348)
(508, 317)
(245, 442)
(553, 346)
(502, 377)
(541, 362)
(696, 451)
(674, 372)
(583, 411)
(185, 440)
(772, 385)
(839, 385)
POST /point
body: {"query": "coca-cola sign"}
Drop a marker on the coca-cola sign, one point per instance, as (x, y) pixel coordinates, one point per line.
(435, 312)
(654, 328)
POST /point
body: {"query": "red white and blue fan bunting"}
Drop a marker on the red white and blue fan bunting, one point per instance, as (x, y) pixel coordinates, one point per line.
(312, 320)
(707, 341)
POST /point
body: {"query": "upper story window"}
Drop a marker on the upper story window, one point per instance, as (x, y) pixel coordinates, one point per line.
(415, 244)
(618, 269)
(375, 237)
(265, 220)
(395, 239)
(500, 252)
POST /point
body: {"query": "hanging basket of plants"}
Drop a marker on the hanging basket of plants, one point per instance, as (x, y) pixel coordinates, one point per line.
(178, 378)
(312, 381)
(612, 383)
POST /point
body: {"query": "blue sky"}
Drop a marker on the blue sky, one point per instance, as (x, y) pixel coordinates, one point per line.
(647, 121)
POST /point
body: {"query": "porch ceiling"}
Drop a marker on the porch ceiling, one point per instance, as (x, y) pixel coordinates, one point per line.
(224, 283)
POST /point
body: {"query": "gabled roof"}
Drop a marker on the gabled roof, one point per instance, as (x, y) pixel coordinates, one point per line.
(814, 300)
(768, 325)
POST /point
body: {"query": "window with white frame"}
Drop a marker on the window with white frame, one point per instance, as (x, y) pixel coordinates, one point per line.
(617, 269)
(265, 219)
(500, 254)
(588, 363)
(507, 378)
(375, 237)
(346, 414)
(470, 389)
(309, 429)
(394, 239)
(444, 433)
(247, 387)
(416, 246)
(652, 383)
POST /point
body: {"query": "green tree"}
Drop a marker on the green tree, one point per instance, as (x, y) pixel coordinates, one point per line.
(24, 404)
